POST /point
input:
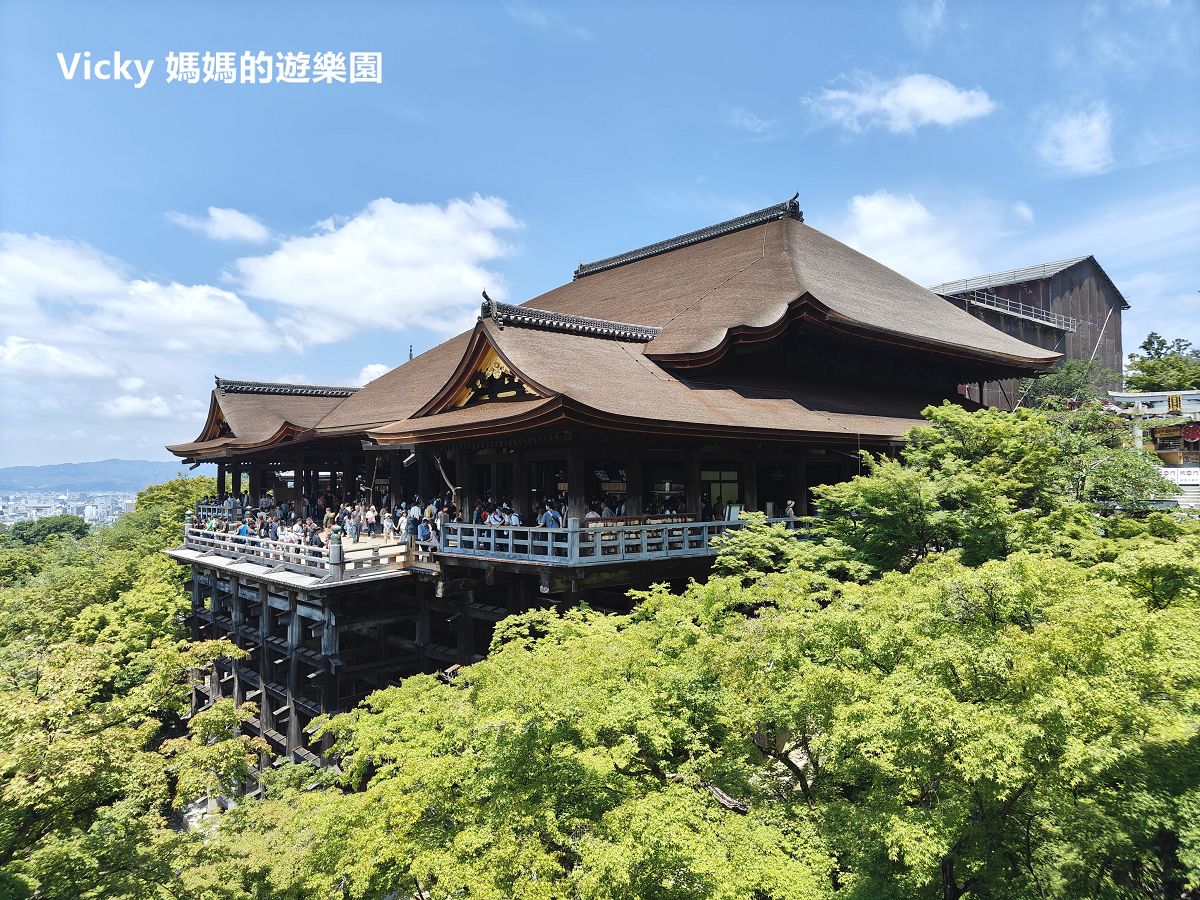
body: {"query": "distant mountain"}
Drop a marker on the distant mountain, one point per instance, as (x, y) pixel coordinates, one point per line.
(105, 475)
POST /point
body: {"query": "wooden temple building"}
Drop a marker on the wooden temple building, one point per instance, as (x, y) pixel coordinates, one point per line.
(1071, 307)
(732, 368)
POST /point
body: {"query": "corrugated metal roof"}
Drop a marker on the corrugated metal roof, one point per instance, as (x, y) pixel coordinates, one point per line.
(999, 279)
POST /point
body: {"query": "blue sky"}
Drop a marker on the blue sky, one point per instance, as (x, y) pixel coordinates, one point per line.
(155, 237)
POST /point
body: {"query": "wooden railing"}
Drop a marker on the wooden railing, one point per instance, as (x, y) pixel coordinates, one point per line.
(211, 509)
(335, 561)
(593, 544)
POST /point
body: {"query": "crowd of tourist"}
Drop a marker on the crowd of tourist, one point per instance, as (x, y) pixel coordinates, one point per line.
(311, 522)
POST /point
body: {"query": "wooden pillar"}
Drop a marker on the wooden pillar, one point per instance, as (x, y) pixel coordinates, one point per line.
(330, 641)
(750, 482)
(197, 605)
(424, 477)
(421, 631)
(465, 627)
(256, 481)
(349, 481)
(265, 720)
(522, 497)
(463, 476)
(392, 469)
(295, 640)
(635, 486)
(221, 479)
(799, 488)
(237, 614)
(692, 476)
(576, 497)
(235, 472)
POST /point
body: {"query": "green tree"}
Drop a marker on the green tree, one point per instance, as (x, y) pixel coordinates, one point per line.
(1072, 382)
(94, 691)
(977, 481)
(1020, 729)
(38, 531)
(1164, 365)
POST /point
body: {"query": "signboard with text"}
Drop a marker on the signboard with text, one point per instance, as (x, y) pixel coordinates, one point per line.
(1182, 474)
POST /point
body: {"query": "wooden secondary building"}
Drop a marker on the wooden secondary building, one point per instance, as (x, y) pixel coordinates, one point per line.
(1071, 307)
(731, 368)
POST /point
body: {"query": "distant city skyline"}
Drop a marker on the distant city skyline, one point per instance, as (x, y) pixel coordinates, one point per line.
(152, 237)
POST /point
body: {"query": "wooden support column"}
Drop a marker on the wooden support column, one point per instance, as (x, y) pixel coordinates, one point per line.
(464, 472)
(265, 719)
(330, 647)
(425, 482)
(576, 479)
(421, 631)
(237, 613)
(220, 479)
(197, 605)
(522, 497)
(635, 487)
(692, 474)
(349, 481)
(295, 640)
(235, 474)
(750, 482)
(800, 488)
(465, 628)
(392, 469)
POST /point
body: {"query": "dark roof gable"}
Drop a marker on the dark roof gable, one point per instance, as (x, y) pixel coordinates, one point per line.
(529, 317)
(276, 388)
(787, 210)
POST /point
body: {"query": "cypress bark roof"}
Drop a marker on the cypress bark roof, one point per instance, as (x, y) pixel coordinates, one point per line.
(247, 414)
(615, 340)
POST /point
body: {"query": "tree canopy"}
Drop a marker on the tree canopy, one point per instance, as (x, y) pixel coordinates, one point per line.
(977, 675)
(1072, 382)
(1164, 365)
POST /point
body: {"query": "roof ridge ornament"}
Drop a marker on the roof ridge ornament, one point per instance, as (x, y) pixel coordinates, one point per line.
(789, 209)
(530, 317)
(230, 386)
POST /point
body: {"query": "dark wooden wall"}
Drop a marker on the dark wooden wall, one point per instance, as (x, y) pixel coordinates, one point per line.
(1081, 291)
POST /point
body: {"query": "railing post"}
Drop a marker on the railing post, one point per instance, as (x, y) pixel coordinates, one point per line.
(337, 558)
(187, 524)
(573, 540)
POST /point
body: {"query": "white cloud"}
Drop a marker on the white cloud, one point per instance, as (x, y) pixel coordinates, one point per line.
(1077, 143)
(1146, 244)
(899, 231)
(224, 224)
(744, 120)
(77, 327)
(129, 406)
(1023, 211)
(923, 22)
(22, 358)
(901, 105)
(392, 266)
(370, 372)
